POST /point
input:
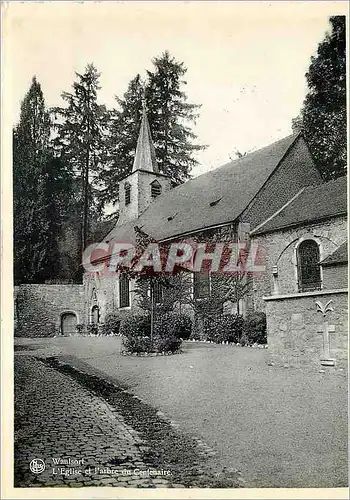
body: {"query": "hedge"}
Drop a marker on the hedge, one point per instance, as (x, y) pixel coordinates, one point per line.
(233, 328)
(169, 330)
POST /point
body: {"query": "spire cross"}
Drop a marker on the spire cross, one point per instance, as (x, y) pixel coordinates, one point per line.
(143, 99)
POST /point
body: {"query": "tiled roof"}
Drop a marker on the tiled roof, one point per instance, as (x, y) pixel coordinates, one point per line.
(216, 197)
(339, 256)
(311, 204)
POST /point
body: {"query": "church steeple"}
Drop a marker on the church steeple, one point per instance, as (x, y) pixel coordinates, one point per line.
(145, 156)
(145, 182)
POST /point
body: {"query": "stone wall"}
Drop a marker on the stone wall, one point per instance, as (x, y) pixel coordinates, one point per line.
(39, 308)
(106, 288)
(279, 249)
(294, 328)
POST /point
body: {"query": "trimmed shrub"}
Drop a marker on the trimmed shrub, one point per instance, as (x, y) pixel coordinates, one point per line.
(92, 329)
(255, 328)
(224, 328)
(182, 325)
(135, 325)
(80, 328)
(112, 324)
(136, 331)
(137, 344)
(176, 324)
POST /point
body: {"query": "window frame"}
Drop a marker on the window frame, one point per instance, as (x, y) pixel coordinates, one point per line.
(156, 184)
(195, 284)
(124, 278)
(127, 193)
(302, 286)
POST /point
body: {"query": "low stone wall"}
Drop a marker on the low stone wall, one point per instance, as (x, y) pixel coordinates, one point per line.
(294, 328)
(39, 308)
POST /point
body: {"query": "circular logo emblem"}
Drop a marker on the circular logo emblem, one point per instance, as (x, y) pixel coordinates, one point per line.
(37, 466)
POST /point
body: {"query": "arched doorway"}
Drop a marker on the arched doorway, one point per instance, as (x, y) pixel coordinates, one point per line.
(68, 324)
(95, 315)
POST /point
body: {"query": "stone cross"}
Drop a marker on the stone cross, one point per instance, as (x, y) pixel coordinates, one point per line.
(326, 329)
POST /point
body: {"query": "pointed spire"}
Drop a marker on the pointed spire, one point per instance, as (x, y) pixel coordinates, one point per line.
(145, 156)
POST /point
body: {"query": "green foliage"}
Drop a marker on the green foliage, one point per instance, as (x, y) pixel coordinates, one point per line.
(41, 190)
(171, 118)
(324, 111)
(136, 331)
(81, 329)
(135, 325)
(233, 328)
(112, 324)
(81, 140)
(124, 130)
(182, 325)
(92, 329)
(224, 328)
(255, 328)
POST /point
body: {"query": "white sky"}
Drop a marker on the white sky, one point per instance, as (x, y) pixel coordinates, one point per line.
(246, 60)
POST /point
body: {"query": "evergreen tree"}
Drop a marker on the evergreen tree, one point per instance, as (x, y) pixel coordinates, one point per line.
(81, 140)
(59, 204)
(41, 192)
(170, 117)
(324, 110)
(30, 148)
(125, 126)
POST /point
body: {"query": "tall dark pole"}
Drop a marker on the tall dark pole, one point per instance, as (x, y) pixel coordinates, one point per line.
(152, 307)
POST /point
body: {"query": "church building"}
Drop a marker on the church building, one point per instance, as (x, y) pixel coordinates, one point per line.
(274, 196)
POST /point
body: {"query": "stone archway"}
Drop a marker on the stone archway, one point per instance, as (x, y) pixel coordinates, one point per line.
(68, 323)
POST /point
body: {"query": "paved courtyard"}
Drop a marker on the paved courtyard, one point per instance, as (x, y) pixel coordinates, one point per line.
(279, 427)
(58, 420)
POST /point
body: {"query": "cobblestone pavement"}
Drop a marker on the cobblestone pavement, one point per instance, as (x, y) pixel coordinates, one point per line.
(56, 418)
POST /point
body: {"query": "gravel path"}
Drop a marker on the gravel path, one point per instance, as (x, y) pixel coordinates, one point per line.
(279, 427)
(91, 433)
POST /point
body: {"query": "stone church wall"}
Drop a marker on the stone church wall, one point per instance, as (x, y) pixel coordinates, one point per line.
(38, 308)
(279, 250)
(294, 328)
(107, 296)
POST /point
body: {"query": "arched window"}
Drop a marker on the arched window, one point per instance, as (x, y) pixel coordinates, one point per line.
(309, 270)
(156, 189)
(127, 193)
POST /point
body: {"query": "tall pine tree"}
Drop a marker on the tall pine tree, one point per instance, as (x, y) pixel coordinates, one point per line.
(30, 148)
(324, 111)
(81, 140)
(170, 117)
(40, 193)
